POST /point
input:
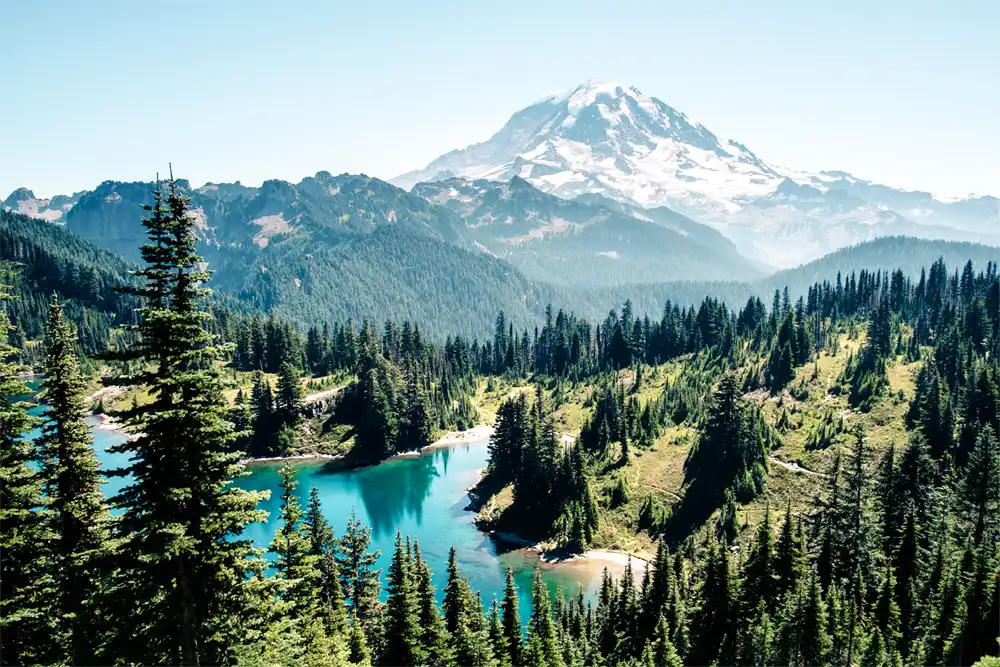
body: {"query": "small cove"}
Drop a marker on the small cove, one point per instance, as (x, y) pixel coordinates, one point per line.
(422, 495)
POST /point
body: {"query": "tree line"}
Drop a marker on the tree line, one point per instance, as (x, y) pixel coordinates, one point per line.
(896, 564)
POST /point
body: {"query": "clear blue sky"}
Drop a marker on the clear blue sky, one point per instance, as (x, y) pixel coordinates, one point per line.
(902, 92)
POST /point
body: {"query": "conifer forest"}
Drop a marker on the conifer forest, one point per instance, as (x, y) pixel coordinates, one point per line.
(805, 474)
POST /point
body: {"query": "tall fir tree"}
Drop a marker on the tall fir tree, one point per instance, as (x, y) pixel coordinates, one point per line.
(758, 572)
(359, 581)
(403, 645)
(72, 484)
(182, 574)
(512, 619)
(464, 620)
(542, 645)
(297, 568)
(323, 547)
(297, 579)
(814, 633)
(24, 581)
(434, 638)
(790, 556)
(288, 401)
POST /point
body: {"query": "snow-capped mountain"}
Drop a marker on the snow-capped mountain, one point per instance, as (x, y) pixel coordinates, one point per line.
(610, 139)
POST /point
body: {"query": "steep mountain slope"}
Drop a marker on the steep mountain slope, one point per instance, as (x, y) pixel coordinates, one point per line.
(585, 242)
(47, 259)
(975, 213)
(661, 215)
(610, 139)
(390, 274)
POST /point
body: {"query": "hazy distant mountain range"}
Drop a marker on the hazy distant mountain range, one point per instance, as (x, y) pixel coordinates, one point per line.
(588, 241)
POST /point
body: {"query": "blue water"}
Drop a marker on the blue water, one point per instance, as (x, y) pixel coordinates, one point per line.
(423, 497)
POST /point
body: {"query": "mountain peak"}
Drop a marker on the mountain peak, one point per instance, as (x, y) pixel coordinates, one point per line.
(587, 92)
(606, 137)
(18, 195)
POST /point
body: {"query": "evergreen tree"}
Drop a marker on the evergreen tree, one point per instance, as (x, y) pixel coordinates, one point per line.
(359, 582)
(288, 401)
(297, 568)
(542, 646)
(790, 556)
(403, 644)
(72, 484)
(323, 547)
(716, 620)
(876, 651)
(886, 491)
(663, 652)
(264, 418)
(182, 577)
(498, 642)
(415, 428)
(854, 512)
(511, 620)
(435, 639)
(982, 488)
(508, 439)
(759, 581)
(455, 595)
(464, 620)
(357, 645)
(815, 642)
(758, 646)
(23, 581)
(887, 612)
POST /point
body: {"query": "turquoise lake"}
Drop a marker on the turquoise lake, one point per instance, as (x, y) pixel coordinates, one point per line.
(421, 496)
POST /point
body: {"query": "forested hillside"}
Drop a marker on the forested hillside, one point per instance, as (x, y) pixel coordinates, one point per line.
(911, 255)
(333, 248)
(813, 479)
(49, 260)
(586, 242)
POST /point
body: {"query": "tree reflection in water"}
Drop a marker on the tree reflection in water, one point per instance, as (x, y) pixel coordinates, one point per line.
(393, 490)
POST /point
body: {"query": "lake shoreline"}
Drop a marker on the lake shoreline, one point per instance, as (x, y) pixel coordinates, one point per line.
(475, 434)
(591, 560)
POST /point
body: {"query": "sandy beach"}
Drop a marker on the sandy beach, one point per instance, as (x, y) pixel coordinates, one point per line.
(106, 422)
(474, 434)
(593, 562)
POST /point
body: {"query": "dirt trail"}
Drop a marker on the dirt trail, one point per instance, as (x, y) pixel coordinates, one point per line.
(323, 395)
(106, 394)
(794, 467)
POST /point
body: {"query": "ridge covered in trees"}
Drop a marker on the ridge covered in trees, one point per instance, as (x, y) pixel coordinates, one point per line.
(896, 561)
